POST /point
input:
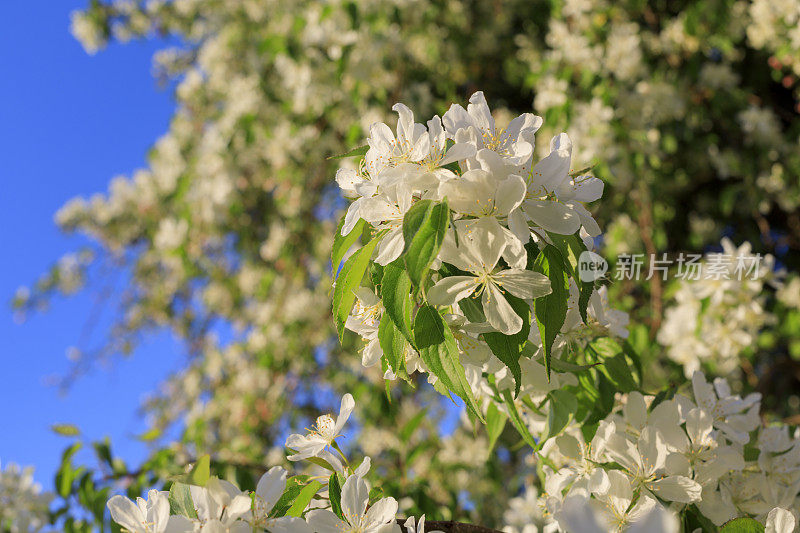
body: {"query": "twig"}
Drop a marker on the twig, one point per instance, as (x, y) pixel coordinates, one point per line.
(645, 220)
(449, 526)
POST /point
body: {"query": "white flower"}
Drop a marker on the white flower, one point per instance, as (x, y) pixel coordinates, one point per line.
(656, 520)
(665, 417)
(780, 521)
(440, 156)
(699, 453)
(616, 511)
(385, 166)
(734, 416)
(576, 514)
(365, 320)
(220, 505)
(413, 526)
(644, 460)
(479, 255)
(324, 432)
(410, 144)
(24, 508)
(476, 125)
(386, 210)
(491, 190)
(171, 233)
(491, 193)
(583, 472)
(549, 176)
(144, 516)
(380, 518)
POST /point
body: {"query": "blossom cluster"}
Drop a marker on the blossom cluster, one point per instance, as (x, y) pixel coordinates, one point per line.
(342, 502)
(504, 208)
(243, 161)
(715, 319)
(705, 454)
(24, 506)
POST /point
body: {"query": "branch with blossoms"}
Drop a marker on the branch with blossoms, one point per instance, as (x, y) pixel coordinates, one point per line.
(460, 259)
(340, 500)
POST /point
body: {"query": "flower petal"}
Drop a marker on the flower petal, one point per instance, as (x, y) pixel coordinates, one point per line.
(510, 194)
(553, 216)
(448, 291)
(523, 284)
(677, 489)
(325, 520)
(458, 152)
(271, 485)
(344, 412)
(354, 497)
(391, 247)
(498, 311)
(372, 353)
(780, 521)
(381, 512)
(125, 513)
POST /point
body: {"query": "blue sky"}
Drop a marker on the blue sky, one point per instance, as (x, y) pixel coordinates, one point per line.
(69, 122)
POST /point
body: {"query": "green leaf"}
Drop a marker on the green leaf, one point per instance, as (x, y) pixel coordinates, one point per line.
(65, 430)
(562, 408)
(150, 435)
(665, 395)
(200, 472)
(495, 423)
(408, 429)
(517, 421)
(320, 462)
(335, 495)
(294, 485)
(180, 501)
(303, 499)
(396, 297)
(361, 151)
(438, 350)
(103, 451)
(571, 247)
(66, 473)
(614, 363)
(344, 291)
(551, 309)
(633, 357)
(375, 494)
(742, 525)
(424, 228)
(342, 243)
(508, 348)
(392, 343)
(605, 393)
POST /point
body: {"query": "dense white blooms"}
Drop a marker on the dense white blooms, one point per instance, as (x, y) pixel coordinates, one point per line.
(719, 309)
(24, 505)
(256, 117)
(707, 448)
(501, 200)
(219, 506)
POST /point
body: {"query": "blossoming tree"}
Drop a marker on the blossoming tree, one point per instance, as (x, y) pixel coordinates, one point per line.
(586, 406)
(459, 259)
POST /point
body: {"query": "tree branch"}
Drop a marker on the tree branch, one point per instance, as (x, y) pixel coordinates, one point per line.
(449, 526)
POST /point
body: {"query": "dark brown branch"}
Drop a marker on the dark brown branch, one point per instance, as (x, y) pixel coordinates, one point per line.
(449, 526)
(645, 222)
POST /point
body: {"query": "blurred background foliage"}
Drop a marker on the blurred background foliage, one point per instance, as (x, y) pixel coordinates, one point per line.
(688, 110)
